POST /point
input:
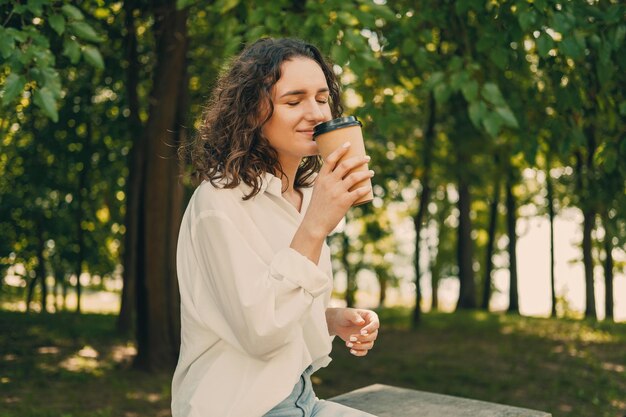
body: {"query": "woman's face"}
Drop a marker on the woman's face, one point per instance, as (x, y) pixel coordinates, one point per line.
(300, 99)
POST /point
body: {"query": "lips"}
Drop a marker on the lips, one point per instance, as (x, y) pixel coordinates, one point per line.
(306, 132)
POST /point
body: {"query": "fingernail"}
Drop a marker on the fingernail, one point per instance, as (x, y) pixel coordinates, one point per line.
(353, 338)
(368, 158)
(349, 344)
(363, 332)
(353, 351)
(372, 172)
(347, 144)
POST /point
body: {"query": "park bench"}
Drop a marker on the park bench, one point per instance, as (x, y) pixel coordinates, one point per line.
(387, 401)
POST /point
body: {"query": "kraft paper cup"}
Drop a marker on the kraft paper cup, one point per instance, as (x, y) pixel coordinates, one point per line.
(334, 133)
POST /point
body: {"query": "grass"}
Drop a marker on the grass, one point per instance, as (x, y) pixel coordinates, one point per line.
(65, 365)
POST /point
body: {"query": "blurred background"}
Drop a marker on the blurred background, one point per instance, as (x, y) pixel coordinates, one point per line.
(494, 250)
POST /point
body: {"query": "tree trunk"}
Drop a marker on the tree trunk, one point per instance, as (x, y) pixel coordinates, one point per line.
(383, 292)
(491, 231)
(55, 292)
(134, 182)
(350, 278)
(434, 285)
(157, 336)
(420, 216)
(30, 291)
(467, 291)
(64, 293)
(608, 273)
(511, 222)
(590, 300)
(80, 237)
(551, 216)
(41, 267)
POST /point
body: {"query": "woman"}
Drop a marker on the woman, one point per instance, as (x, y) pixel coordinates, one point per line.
(253, 267)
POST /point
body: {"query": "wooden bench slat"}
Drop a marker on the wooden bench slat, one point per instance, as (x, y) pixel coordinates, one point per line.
(388, 401)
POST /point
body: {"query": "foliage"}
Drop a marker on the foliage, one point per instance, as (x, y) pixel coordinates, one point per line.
(37, 39)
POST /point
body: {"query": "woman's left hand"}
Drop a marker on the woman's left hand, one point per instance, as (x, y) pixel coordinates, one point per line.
(357, 327)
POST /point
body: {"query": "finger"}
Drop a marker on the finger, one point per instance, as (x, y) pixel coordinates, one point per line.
(370, 337)
(360, 346)
(358, 352)
(334, 157)
(357, 177)
(344, 167)
(357, 193)
(374, 322)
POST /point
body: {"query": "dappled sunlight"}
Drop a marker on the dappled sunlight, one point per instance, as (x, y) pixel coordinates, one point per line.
(11, 399)
(608, 366)
(557, 331)
(150, 397)
(123, 353)
(85, 360)
(48, 350)
(620, 405)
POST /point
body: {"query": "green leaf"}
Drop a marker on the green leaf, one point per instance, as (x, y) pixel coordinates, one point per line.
(605, 72)
(562, 23)
(181, 4)
(569, 46)
(225, 5)
(85, 31)
(71, 49)
(477, 110)
(618, 39)
(434, 79)
(92, 56)
(622, 109)
(507, 116)
(462, 6)
(527, 19)
(13, 86)
(442, 92)
(18, 35)
(51, 81)
(36, 6)
(544, 44)
(458, 79)
(492, 124)
(610, 162)
(470, 90)
(499, 56)
(7, 43)
(339, 54)
(492, 94)
(408, 46)
(57, 22)
(72, 12)
(44, 99)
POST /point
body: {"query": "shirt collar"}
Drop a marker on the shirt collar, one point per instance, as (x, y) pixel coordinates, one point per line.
(271, 184)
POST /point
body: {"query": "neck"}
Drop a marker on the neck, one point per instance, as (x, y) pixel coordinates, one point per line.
(290, 168)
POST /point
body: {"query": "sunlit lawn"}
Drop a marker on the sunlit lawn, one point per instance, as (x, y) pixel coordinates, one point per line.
(75, 366)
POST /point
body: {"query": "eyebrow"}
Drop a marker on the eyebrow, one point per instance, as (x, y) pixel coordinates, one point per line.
(301, 92)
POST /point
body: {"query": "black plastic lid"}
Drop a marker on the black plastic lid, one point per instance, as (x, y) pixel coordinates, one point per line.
(335, 124)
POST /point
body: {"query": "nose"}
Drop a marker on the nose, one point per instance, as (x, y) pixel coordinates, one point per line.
(314, 112)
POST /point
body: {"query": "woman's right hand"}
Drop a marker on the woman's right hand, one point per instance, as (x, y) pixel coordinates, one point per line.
(330, 201)
(332, 197)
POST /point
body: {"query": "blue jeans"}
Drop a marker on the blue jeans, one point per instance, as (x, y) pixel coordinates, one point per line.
(303, 403)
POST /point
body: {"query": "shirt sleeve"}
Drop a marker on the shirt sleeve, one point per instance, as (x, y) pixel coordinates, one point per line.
(261, 303)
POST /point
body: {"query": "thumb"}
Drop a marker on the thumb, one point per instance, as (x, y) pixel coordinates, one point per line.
(356, 318)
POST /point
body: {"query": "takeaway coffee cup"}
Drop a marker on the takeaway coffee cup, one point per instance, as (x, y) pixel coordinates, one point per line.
(332, 134)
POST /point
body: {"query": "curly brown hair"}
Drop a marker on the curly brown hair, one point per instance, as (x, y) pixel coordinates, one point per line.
(230, 147)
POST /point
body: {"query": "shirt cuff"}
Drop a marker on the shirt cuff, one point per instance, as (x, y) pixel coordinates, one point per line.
(289, 264)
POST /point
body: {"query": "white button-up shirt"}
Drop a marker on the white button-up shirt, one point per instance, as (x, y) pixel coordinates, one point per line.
(252, 308)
